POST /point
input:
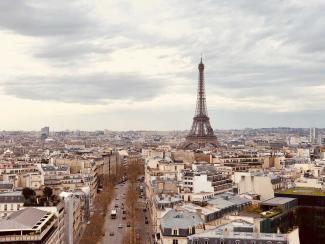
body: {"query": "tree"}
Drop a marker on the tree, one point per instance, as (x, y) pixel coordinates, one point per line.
(47, 192)
(28, 193)
(44, 161)
(30, 196)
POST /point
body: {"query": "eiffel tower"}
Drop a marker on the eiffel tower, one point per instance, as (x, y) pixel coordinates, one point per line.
(201, 133)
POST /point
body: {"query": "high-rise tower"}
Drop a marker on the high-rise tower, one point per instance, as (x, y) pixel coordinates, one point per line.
(201, 133)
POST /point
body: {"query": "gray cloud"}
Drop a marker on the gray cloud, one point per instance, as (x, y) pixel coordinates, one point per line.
(86, 89)
(252, 48)
(47, 18)
(71, 52)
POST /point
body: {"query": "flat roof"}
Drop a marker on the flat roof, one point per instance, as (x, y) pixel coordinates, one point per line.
(221, 203)
(228, 231)
(180, 219)
(309, 191)
(278, 200)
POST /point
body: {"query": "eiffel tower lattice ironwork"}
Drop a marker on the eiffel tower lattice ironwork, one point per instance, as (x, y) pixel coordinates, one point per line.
(201, 132)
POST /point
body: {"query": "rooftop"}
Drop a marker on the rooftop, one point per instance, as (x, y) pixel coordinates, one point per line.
(221, 203)
(180, 219)
(25, 219)
(239, 230)
(278, 201)
(309, 191)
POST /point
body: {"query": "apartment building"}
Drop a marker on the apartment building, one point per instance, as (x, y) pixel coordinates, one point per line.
(30, 225)
(242, 232)
(10, 202)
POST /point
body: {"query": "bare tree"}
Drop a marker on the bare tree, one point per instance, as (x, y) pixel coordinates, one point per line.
(94, 232)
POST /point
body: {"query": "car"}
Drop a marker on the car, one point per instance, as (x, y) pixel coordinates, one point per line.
(120, 226)
(123, 217)
(124, 212)
(111, 233)
(146, 221)
(116, 205)
(128, 224)
(144, 210)
(116, 199)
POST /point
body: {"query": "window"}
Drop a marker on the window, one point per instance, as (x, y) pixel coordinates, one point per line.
(175, 241)
(5, 207)
(222, 241)
(237, 241)
(206, 242)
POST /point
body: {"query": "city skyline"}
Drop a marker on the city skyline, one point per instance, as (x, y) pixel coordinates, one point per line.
(126, 66)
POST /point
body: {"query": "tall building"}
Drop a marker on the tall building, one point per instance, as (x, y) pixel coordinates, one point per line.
(201, 133)
(313, 135)
(45, 132)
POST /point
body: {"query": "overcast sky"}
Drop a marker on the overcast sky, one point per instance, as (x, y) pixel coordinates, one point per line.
(132, 64)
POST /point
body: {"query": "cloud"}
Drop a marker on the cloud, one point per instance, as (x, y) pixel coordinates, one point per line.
(47, 18)
(259, 55)
(86, 89)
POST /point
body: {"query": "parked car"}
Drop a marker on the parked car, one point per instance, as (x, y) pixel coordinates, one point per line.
(111, 233)
(120, 226)
(128, 224)
(123, 217)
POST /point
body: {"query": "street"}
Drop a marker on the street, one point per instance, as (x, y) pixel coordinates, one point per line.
(112, 225)
(116, 229)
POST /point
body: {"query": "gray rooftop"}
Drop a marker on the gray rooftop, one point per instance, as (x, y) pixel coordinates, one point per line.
(24, 219)
(180, 219)
(167, 199)
(230, 231)
(278, 201)
(6, 185)
(221, 203)
(11, 197)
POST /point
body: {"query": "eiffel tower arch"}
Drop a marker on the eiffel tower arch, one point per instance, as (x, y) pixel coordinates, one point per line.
(201, 133)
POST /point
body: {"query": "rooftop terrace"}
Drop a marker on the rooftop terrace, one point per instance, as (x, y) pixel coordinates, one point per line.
(309, 191)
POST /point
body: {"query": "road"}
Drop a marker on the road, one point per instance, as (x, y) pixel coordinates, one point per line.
(111, 225)
(145, 230)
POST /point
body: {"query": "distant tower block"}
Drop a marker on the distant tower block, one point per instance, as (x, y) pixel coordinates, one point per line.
(201, 133)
